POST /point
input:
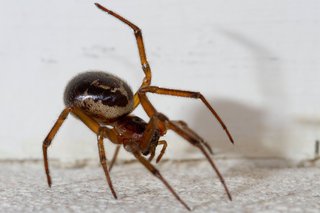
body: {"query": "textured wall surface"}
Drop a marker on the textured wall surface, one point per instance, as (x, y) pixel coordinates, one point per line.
(257, 62)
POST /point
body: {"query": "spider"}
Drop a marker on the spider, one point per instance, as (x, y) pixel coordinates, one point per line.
(104, 103)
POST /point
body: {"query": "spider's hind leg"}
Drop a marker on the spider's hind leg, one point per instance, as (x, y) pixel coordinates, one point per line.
(47, 141)
(102, 132)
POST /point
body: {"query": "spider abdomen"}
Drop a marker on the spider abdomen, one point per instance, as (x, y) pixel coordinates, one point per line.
(103, 96)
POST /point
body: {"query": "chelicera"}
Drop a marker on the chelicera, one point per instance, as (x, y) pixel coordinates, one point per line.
(104, 103)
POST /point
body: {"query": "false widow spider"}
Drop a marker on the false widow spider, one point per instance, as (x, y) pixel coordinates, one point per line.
(104, 103)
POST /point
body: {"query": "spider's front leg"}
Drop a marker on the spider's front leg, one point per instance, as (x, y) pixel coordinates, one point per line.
(179, 93)
(146, 144)
(142, 53)
(182, 130)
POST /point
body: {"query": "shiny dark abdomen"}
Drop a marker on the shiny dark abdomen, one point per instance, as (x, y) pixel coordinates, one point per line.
(99, 94)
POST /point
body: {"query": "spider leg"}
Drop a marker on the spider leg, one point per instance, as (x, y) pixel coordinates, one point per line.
(47, 141)
(164, 147)
(154, 127)
(89, 122)
(151, 130)
(102, 132)
(156, 173)
(103, 161)
(95, 126)
(142, 53)
(186, 128)
(194, 141)
(153, 151)
(151, 111)
(114, 158)
(187, 94)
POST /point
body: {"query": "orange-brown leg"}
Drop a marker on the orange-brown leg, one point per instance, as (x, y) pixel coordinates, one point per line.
(47, 141)
(194, 141)
(114, 158)
(164, 147)
(187, 94)
(153, 151)
(89, 122)
(142, 53)
(102, 132)
(103, 161)
(151, 111)
(95, 126)
(186, 128)
(156, 173)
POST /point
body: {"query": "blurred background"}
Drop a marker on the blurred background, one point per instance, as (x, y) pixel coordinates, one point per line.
(257, 62)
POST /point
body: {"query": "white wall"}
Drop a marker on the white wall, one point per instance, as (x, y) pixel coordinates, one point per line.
(257, 62)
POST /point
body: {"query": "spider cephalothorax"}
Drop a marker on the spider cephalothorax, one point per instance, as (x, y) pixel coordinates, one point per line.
(104, 103)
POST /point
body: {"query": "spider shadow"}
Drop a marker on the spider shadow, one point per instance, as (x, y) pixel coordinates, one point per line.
(258, 132)
(248, 128)
(245, 123)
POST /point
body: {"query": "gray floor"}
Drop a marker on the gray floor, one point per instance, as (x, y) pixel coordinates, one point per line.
(257, 186)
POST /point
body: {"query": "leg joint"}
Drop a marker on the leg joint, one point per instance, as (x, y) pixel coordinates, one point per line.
(137, 31)
(148, 89)
(197, 95)
(145, 66)
(103, 132)
(161, 116)
(46, 143)
(156, 173)
(103, 161)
